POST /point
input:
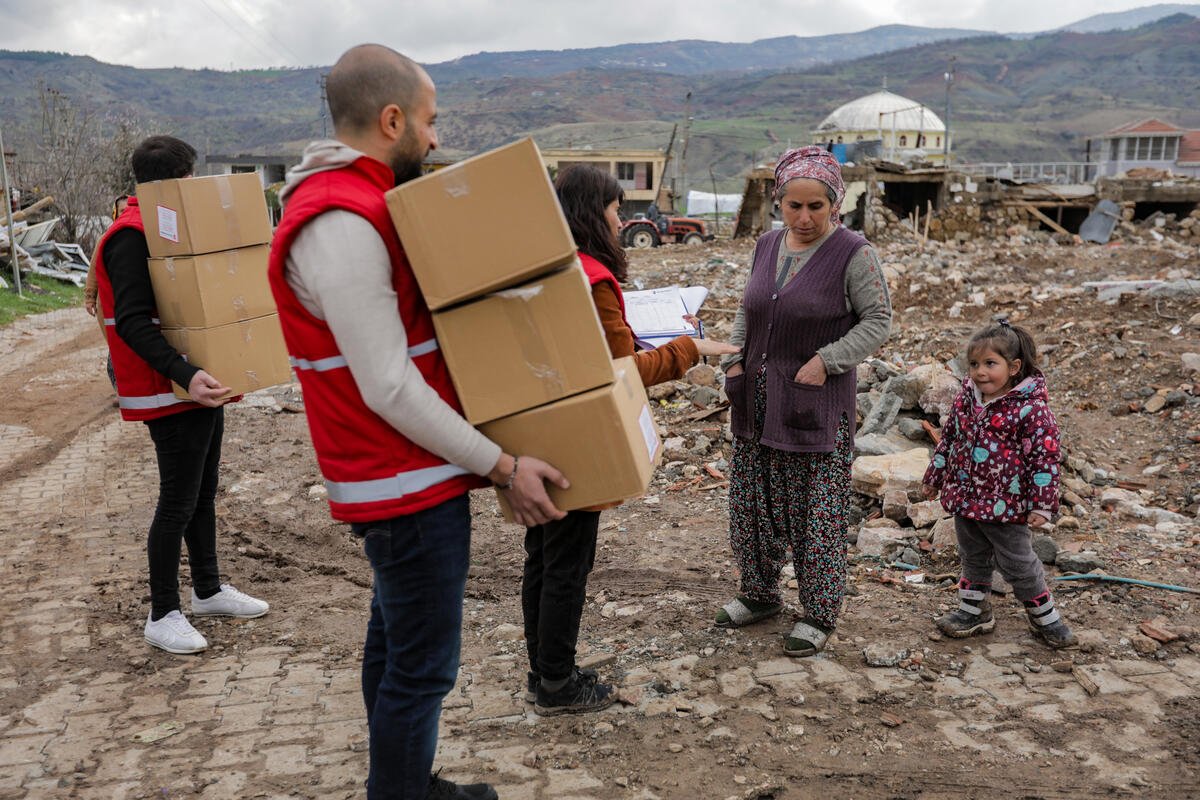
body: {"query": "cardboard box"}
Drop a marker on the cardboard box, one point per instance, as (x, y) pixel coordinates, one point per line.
(213, 289)
(190, 216)
(525, 346)
(245, 356)
(483, 224)
(605, 441)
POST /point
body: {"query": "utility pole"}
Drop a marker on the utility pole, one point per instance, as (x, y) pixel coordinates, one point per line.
(946, 137)
(687, 126)
(12, 236)
(663, 174)
(324, 105)
(7, 209)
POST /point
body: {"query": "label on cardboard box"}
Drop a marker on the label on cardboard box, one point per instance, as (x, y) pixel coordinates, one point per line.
(168, 224)
(649, 432)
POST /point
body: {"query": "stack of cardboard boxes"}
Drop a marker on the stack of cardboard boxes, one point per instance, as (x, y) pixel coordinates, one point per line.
(516, 324)
(208, 264)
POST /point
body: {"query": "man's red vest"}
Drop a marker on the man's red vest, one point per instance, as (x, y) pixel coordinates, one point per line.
(371, 470)
(142, 392)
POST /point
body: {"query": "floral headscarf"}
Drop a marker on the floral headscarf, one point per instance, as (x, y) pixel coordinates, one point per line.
(812, 162)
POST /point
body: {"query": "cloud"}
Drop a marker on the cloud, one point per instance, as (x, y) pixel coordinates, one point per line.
(226, 34)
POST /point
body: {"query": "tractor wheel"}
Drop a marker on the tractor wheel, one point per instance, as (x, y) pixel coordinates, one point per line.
(642, 237)
(693, 239)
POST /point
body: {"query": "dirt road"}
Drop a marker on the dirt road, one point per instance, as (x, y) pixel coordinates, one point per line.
(87, 710)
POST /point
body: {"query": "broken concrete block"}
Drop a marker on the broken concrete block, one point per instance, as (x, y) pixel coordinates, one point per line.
(881, 416)
(926, 513)
(873, 475)
(895, 504)
(878, 541)
(943, 534)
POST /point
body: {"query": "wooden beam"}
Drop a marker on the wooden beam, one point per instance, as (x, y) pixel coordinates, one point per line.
(1032, 209)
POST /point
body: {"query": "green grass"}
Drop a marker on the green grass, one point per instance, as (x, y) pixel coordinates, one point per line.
(40, 294)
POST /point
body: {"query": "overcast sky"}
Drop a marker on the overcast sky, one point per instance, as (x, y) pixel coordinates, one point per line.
(238, 34)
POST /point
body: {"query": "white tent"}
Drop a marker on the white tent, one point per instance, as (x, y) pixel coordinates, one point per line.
(706, 202)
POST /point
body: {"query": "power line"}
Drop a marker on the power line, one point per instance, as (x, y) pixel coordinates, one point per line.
(256, 45)
(262, 31)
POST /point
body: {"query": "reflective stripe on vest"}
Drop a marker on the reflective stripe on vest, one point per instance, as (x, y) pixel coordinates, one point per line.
(149, 401)
(336, 362)
(113, 322)
(393, 488)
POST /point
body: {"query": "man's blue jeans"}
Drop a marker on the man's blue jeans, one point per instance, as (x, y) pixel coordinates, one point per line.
(410, 660)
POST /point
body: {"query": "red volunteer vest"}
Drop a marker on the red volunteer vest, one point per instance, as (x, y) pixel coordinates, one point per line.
(143, 393)
(598, 273)
(371, 470)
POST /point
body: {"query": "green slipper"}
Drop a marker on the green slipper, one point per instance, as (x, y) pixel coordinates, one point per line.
(742, 611)
(806, 639)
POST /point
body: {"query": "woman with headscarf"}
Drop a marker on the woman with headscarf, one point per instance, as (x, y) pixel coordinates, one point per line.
(815, 306)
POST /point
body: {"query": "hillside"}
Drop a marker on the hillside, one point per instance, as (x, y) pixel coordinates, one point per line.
(1013, 99)
(692, 57)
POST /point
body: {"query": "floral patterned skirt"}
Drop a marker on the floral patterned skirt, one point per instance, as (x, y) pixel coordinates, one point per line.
(780, 500)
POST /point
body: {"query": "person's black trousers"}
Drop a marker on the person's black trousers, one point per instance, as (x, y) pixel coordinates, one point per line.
(558, 557)
(188, 446)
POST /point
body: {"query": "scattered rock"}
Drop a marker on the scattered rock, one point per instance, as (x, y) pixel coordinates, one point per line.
(1045, 548)
(1083, 561)
(926, 513)
(943, 534)
(883, 654)
(701, 375)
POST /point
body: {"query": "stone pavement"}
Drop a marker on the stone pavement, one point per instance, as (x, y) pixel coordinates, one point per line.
(89, 711)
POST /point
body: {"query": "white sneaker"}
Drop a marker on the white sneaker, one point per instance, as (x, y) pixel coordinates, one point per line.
(174, 634)
(229, 602)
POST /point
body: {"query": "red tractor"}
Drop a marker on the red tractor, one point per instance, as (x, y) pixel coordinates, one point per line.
(643, 232)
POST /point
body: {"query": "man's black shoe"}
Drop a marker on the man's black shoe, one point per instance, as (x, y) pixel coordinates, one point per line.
(442, 789)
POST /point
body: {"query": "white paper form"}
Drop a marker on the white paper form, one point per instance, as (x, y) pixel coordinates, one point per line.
(671, 303)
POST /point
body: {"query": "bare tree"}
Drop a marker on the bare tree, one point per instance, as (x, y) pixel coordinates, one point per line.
(82, 159)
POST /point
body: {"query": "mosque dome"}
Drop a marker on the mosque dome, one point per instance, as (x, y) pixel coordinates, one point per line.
(863, 115)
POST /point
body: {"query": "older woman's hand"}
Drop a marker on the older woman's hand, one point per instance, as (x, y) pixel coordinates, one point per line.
(813, 372)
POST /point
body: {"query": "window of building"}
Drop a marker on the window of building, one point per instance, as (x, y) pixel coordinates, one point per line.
(1143, 149)
(839, 140)
(625, 171)
(858, 138)
(939, 142)
(1114, 149)
(903, 140)
(920, 140)
(1156, 148)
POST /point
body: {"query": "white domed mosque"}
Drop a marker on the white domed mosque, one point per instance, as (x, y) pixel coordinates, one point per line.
(903, 125)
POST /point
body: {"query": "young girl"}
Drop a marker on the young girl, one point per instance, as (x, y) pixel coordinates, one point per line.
(560, 554)
(997, 470)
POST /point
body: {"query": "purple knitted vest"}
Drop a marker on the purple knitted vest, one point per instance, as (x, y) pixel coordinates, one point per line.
(784, 329)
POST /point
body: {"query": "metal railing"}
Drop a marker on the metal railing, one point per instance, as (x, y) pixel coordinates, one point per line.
(1034, 172)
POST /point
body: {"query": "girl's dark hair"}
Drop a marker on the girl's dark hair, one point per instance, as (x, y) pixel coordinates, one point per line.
(1008, 341)
(584, 192)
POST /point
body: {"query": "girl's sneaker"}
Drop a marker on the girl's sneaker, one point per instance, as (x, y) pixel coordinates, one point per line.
(1046, 623)
(973, 615)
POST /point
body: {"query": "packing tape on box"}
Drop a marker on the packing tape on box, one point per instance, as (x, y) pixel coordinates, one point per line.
(239, 307)
(531, 338)
(456, 184)
(169, 266)
(232, 262)
(225, 195)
